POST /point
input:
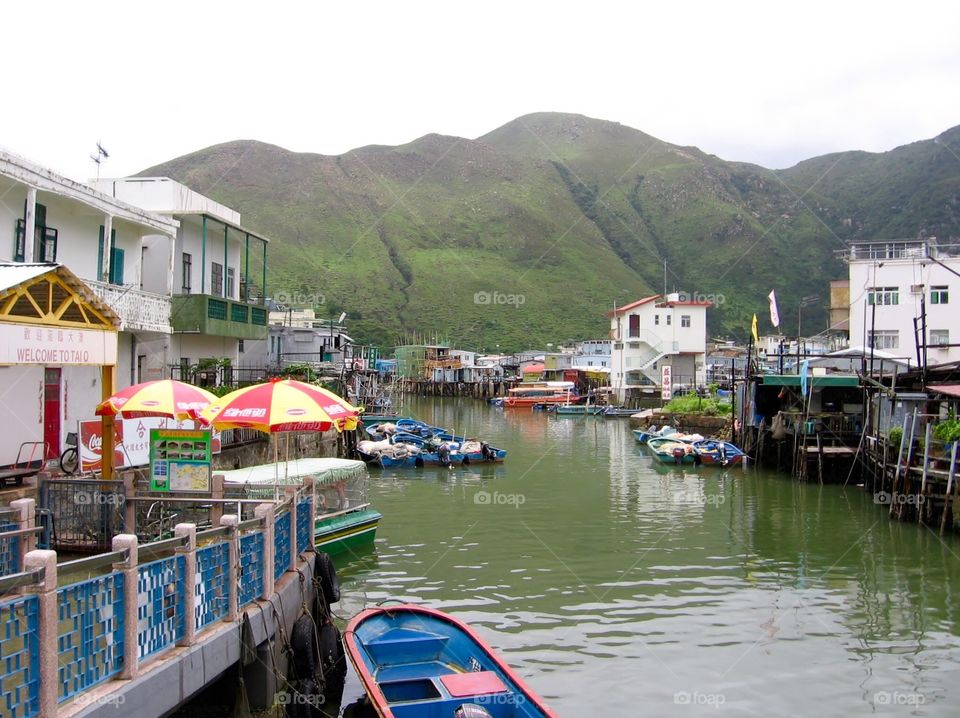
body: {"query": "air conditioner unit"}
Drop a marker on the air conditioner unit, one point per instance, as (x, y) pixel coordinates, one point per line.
(916, 289)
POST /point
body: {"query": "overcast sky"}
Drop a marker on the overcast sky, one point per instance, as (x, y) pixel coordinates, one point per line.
(761, 82)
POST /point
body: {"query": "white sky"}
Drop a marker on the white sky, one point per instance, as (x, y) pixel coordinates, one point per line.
(753, 81)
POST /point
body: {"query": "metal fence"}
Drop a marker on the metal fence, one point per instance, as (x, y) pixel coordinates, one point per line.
(105, 626)
(86, 513)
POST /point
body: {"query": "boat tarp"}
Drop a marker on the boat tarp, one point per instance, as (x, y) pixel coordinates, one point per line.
(818, 382)
(323, 471)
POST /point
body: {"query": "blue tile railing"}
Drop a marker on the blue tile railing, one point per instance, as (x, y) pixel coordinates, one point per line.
(20, 658)
(106, 626)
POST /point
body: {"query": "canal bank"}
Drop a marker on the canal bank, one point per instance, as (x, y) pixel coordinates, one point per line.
(611, 582)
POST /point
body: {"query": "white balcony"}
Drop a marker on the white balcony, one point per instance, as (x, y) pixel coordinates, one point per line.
(139, 311)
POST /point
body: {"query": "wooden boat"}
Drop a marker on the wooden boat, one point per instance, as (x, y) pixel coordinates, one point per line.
(644, 435)
(541, 392)
(344, 518)
(672, 451)
(714, 452)
(617, 412)
(576, 409)
(416, 662)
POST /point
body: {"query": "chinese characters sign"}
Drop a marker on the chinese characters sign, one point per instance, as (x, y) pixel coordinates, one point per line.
(26, 344)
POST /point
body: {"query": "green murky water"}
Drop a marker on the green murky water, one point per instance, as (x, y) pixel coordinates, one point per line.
(620, 587)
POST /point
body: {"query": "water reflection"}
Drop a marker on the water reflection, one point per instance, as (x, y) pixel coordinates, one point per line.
(618, 582)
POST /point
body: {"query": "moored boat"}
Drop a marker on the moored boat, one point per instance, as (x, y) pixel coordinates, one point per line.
(673, 451)
(344, 518)
(416, 662)
(541, 392)
(715, 452)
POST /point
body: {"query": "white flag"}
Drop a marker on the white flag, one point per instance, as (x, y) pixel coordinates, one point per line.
(774, 314)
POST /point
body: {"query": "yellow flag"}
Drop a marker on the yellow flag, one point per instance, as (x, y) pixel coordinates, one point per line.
(753, 328)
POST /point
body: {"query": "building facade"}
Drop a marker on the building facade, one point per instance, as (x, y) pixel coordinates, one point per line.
(108, 244)
(215, 274)
(897, 286)
(654, 332)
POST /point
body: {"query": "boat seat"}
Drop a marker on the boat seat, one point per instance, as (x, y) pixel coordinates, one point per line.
(474, 683)
(427, 669)
(403, 645)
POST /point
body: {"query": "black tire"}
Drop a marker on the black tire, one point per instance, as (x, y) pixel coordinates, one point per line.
(69, 461)
(303, 644)
(332, 658)
(326, 575)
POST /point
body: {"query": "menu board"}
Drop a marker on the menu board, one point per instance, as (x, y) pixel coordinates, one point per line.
(180, 460)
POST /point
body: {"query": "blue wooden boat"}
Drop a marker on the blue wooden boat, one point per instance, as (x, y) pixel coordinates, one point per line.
(714, 452)
(416, 662)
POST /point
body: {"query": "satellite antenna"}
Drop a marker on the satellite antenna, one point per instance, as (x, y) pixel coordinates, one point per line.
(99, 157)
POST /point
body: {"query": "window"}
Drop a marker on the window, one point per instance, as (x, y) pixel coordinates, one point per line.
(656, 320)
(939, 337)
(115, 274)
(230, 278)
(939, 295)
(216, 279)
(240, 346)
(634, 329)
(669, 317)
(884, 339)
(684, 320)
(883, 295)
(44, 237)
(187, 264)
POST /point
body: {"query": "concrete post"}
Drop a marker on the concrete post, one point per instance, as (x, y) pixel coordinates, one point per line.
(29, 225)
(233, 611)
(131, 656)
(189, 552)
(310, 487)
(46, 592)
(216, 511)
(291, 495)
(264, 512)
(107, 250)
(26, 518)
(129, 507)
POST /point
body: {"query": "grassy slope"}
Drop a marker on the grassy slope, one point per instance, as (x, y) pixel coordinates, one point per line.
(571, 213)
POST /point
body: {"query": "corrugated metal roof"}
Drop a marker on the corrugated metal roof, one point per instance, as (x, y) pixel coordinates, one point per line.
(948, 389)
(13, 274)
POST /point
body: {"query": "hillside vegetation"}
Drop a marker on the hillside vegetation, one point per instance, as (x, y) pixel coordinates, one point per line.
(528, 234)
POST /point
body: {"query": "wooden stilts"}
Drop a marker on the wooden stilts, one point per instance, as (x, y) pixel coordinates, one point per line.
(947, 504)
(926, 465)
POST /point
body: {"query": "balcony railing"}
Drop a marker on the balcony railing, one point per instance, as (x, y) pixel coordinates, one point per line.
(138, 310)
(214, 316)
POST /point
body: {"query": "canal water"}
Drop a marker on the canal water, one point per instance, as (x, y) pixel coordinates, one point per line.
(618, 587)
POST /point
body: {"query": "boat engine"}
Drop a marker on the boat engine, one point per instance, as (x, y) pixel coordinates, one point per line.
(678, 453)
(471, 710)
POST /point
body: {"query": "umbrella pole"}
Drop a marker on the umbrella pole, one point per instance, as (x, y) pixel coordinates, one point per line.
(276, 466)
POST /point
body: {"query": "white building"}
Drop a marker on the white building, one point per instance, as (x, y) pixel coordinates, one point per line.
(654, 332)
(891, 284)
(216, 272)
(53, 220)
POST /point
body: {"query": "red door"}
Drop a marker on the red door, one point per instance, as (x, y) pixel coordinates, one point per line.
(51, 412)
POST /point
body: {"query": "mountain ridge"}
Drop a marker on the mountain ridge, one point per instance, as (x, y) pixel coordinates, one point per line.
(569, 213)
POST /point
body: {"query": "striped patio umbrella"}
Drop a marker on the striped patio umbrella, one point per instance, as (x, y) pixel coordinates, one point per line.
(281, 405)
(166, 397)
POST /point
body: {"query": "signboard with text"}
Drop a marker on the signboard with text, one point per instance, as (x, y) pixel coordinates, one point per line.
(24, 344)
(132, 439)
(180, 460)
(666, 382)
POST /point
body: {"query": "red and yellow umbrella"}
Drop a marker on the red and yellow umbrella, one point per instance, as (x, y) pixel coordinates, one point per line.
(166, 397)
(281, 405)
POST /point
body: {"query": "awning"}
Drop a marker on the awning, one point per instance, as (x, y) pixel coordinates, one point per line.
(818, 382)
(948, 389)
(533, 369)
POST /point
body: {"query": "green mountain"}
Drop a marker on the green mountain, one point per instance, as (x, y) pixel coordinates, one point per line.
(528, 234)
